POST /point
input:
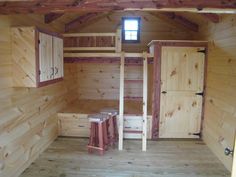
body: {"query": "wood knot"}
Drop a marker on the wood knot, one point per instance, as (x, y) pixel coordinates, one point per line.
(173, 73)
(211, 101)
(194, 103)
(169, 114)
(189, 82)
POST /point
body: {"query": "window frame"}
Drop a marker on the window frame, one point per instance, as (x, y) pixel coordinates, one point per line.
(138, 31)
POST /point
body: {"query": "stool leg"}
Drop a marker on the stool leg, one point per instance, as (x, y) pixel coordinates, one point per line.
(105, 135)
(115, 128)
(91, 137)
(112, 132)
(100, 137)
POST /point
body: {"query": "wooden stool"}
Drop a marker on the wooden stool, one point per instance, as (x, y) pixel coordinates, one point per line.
(112, 125)
(98, 139)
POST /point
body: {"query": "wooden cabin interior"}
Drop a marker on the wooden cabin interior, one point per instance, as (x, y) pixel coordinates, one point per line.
(168, 69)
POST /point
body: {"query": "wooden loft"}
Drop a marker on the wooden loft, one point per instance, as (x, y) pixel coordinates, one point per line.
(74, 46)
(93, 41)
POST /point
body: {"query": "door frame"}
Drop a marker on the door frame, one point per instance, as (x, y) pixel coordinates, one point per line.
(157, 46)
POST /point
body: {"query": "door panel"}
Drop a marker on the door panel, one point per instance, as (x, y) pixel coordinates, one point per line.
(58, 57)
(182, 69)
(180, 115)
(45, 57)
(182, 76)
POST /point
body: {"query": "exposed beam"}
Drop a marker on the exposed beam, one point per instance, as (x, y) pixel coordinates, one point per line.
(82, 21)
(182, 21)
(79, 21)
(178, 20)
(212, 17)
(59, 6)
(50, 17)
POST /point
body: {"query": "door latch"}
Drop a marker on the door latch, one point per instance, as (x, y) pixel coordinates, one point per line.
(202, 51)
(200, 94)
(197, 134)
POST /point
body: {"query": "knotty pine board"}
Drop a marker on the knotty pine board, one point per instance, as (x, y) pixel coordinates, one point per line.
(28, 121)
(101, 81)
(77, 125)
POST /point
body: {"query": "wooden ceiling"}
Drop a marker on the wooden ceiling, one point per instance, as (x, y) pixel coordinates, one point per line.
(90, 10)
(59, 6)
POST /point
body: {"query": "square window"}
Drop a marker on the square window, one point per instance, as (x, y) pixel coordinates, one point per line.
(130, 29)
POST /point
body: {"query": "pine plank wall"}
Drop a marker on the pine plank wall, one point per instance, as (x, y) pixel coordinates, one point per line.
(28, 122)
(220, 110)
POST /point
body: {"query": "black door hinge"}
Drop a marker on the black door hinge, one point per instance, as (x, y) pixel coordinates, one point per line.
(39, 72)
(164, 92)
(202, 51)
(39, 41)
(197, 134)
(200, 94)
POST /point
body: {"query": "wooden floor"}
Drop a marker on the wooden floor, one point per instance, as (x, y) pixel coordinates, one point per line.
(68, 157)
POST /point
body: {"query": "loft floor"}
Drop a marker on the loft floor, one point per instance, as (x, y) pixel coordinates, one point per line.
(68, 157)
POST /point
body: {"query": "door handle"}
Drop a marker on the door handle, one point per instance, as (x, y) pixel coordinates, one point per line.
(56, 70)
(52, 72)
(228, 151)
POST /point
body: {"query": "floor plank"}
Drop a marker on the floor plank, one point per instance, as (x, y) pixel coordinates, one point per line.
(68, 157)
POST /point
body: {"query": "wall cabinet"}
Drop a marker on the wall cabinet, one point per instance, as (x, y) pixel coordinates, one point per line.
(37, 57)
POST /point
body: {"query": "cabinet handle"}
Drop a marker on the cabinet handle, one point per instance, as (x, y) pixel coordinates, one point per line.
(56, 72)
(52, 71)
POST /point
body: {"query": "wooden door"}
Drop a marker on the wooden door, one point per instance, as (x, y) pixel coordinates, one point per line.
(45, 57)
(58, 57)
(182, 77)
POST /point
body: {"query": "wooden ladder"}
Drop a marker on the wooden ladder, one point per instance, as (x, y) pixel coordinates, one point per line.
(144, 98)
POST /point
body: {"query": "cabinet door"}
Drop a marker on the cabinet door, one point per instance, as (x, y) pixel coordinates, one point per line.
(58, 57)
(182, 75)
(45, 57)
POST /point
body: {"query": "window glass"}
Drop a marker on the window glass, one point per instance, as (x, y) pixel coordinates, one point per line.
(130, 29)
(131, 25)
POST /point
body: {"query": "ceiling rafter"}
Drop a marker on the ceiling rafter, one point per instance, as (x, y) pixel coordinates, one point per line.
(50, 17)
(81, 21)
(58, 6)
(212, 17)
(177, 20)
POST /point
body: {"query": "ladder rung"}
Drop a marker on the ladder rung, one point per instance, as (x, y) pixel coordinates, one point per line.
(133, 98)
(133, 131)
(133, 64)
(134, 115)
(133, 80)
